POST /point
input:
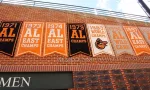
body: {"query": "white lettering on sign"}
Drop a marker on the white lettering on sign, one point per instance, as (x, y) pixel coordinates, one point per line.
(15, 82)
(29, 33)
(52, 33)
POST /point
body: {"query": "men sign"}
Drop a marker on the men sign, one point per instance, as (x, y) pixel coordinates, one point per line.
(31, 38)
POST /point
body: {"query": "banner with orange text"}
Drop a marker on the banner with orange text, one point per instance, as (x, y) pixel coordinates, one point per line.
(78, 41)
(9, 33)
(99, 40)
(31, 38)
(55, 39)
(136, 39)
(146, 33)
(119, 40)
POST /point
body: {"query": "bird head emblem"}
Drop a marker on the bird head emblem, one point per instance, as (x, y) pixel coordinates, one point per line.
(100, 44)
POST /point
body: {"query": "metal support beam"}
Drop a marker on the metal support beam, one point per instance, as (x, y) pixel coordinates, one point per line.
(145, 7)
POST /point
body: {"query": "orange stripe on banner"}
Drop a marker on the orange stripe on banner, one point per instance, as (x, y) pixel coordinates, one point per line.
(136, 39)
(55, 39)
(146, 33)
(31, 38)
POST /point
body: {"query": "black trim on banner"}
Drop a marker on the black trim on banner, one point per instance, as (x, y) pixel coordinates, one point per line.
(9, 32)
(78, 39)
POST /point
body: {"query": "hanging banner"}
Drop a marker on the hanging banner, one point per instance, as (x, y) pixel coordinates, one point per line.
(136, 39)
(9, 32)
(78, 39)
(146, 33)
(119, 40)
(99, 39)
(55, 39)
(31, 38)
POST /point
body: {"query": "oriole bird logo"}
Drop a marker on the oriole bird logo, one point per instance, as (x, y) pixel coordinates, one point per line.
(100, 44)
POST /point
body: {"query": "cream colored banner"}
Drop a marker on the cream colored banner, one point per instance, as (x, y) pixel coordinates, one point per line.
(136, 39)
(55, 39)
(119, 40)
(31, 38)
(146, 33)
(99, 39)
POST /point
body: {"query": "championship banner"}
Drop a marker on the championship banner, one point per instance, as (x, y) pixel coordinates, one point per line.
(119, 40)
(55, 39)
(136, 39)
(78, 39)
(99, 39)
(146, 33)
(9, 32)
(31, 38)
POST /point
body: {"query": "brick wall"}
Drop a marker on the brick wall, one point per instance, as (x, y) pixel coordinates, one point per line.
(56, 62)
(128, 79)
